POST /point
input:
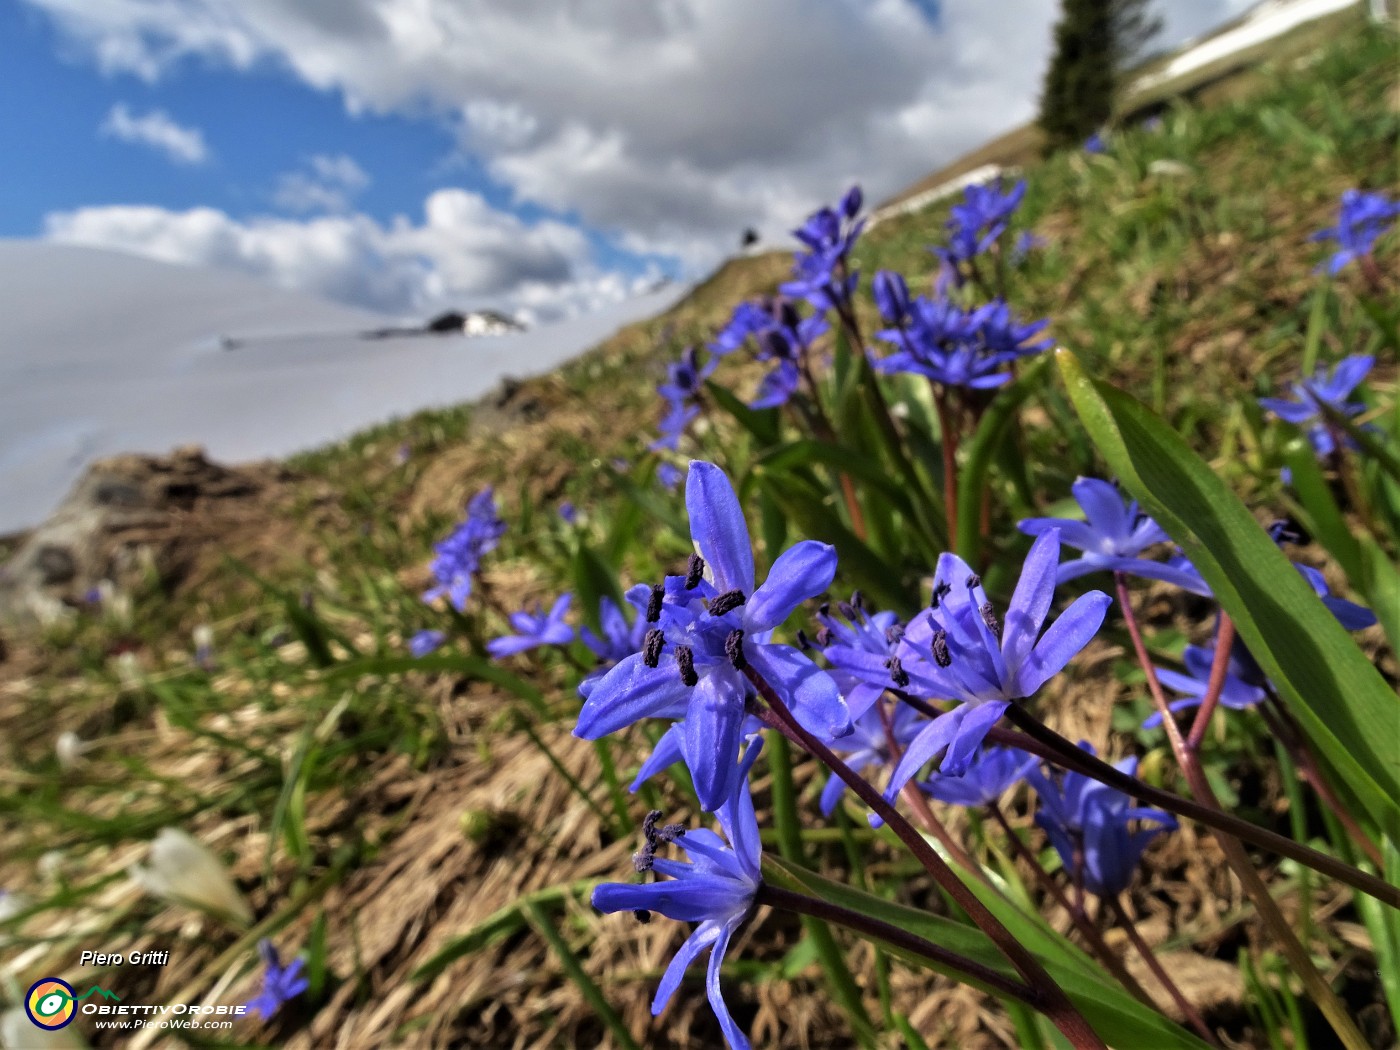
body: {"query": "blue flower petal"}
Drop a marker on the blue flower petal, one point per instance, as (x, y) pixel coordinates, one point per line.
(718, 527)
(1066, 636)
(712, 727)
(629, 692)
(802, 571)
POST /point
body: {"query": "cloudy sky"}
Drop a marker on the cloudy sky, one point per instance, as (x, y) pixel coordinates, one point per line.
(541, 156)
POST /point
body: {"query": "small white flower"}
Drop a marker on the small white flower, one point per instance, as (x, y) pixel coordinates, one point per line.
(18, 1033)
(51, 864)
(11, 904)
(129, 669)
(1173, 168)
(70, 749)
(183, 871)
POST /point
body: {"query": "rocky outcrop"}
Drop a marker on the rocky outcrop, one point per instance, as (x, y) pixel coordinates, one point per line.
(128, 516)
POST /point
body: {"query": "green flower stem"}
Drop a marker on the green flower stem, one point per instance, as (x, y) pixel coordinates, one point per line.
(1050, 998)
(1190, 761)
(895, 936)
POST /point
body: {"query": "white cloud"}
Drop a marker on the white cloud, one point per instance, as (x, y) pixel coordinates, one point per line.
(155, 129)
(328, 183)
(670, 125)
(464, 254)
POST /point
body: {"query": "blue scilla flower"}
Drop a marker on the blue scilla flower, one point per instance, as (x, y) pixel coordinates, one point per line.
(669, 475)
(533, 629)
(706, 627)
(426, 641)
(975, 224)
(668, 751)
(977, 660)
(868, 745)
(618, 641)
(280, 983)
(820, 274)
(1243, 687)
(716, 889)
(861, 648)
(956, 347)
(1001, 336)
(991, 774)
(1325, 388)
(891, 296)
(459, 556)
(1363, 219)
(1089, 824)
(568, 513)
(748, 319)
(1113, 532)
(784, 342)
(1096, 143)
(685, 378)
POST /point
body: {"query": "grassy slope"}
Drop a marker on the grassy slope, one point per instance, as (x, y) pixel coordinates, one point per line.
(374, 818)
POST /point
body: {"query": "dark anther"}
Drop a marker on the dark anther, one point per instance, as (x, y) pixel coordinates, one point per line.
(989, 617)
(642, 916)
(726, 602)
(894, 633)
(651, 647)
(658, 593)
(734, 649)
(898, 675)
(655, 838)
(824, 609)
(847, 610)
(803, 642)
(685, 659)
(941, 655)
(858, 600)
(824, 636)
(694, 572)
(940, 591)
(974, 581)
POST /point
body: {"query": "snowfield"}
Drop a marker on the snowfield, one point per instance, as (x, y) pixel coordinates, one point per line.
(103, 353)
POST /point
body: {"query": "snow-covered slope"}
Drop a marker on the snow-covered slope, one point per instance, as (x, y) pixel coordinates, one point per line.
(103, 353)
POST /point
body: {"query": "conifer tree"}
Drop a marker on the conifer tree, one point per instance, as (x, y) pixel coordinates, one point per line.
(1094, 42)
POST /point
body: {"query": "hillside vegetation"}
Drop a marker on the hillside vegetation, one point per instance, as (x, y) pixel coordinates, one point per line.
(426, 831)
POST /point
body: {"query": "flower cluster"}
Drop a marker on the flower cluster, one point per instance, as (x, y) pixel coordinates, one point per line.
(684, 381)
(281, 984)
(1362, 220)
(459, 556)
(822, 274)
(1326, 390)
(976, 223)
(950, 345)
(705, 628)
(1091, 827)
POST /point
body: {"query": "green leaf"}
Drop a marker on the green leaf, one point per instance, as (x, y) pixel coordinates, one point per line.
(1119, 1018)
(823, 944)
(990, 433)
(1351, 716)
(460, 663)
(594, 579)
(762, 423)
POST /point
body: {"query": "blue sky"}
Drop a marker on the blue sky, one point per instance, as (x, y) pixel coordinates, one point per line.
(524, 154)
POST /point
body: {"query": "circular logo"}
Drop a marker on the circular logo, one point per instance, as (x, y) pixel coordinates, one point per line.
(51, 1003)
